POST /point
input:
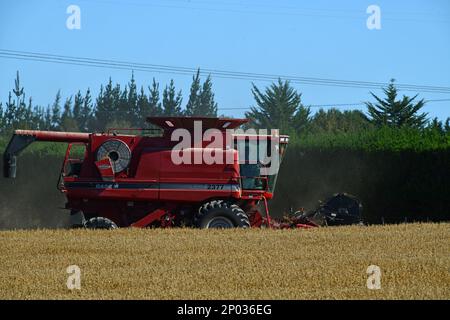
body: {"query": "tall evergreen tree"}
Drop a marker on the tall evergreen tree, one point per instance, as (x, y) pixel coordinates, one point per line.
(132, 106)
(38, 118)
(77, 109)
(278, 107)
(10, 113)
(155, 108)
(21, 113)
(99, 109)
(16, 110)
(67, 109)
(19, 92)
(201, 98)
(207, 105)
(86, 115)
(172, 101)
(48, 118)
(143, 108)
(56, 112)
(194, 97)
(2, 119)
(29, 122)
(123, 114)
(68, 122)
(397, 113)
(106, 105)
(118, 104)
(447, 126)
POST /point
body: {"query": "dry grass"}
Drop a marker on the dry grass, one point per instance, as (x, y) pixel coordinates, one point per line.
(327, 263)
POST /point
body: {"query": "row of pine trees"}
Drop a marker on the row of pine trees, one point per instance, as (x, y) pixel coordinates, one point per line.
(115, 106)
(277, 106)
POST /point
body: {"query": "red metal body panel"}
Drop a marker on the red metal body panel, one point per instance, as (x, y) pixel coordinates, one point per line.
(151, 177)
(105, 169)
(152, 189)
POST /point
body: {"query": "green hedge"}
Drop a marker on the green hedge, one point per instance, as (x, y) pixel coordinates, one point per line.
(383, 139)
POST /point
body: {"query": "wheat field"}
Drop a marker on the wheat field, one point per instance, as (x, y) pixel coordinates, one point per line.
(321, 263)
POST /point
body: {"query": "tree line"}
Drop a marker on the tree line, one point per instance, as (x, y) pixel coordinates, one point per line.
(115, 106)
(277, 106)
(280, 106)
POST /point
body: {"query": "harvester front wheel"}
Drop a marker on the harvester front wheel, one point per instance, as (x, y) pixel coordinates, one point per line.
(221, 214)
(100, 223)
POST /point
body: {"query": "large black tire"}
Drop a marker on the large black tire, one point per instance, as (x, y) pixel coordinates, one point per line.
(100, 223)
(221, 214)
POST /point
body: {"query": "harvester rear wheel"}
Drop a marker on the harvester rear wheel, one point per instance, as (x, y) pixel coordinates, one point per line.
(221, 214)
(100, 223)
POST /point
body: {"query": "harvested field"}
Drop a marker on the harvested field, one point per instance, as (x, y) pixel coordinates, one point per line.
(325, 263)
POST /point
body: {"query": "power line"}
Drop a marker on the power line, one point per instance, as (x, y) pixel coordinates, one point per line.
(214, 71)
(437, 100)
(146, 67)
(331, 105)
(184, 70)
(363, 103)
(221, 7)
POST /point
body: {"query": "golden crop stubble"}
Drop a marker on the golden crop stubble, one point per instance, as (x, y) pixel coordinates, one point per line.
(322, 263)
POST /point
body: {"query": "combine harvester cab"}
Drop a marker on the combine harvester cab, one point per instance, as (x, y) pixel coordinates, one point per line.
(161, 178)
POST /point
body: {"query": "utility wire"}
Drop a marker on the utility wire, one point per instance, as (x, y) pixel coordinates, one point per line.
(145, 67)
(331, 105)
(98, 62)
(267, 10)
(215, 71)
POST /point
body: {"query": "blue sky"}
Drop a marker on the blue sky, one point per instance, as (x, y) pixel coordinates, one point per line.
(325, 39)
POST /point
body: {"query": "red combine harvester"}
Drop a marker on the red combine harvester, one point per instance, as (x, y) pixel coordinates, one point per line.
(131, 180)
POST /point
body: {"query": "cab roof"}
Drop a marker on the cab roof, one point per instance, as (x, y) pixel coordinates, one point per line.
(172, 123)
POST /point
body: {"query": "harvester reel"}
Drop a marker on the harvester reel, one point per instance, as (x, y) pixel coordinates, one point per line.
(117, 151)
